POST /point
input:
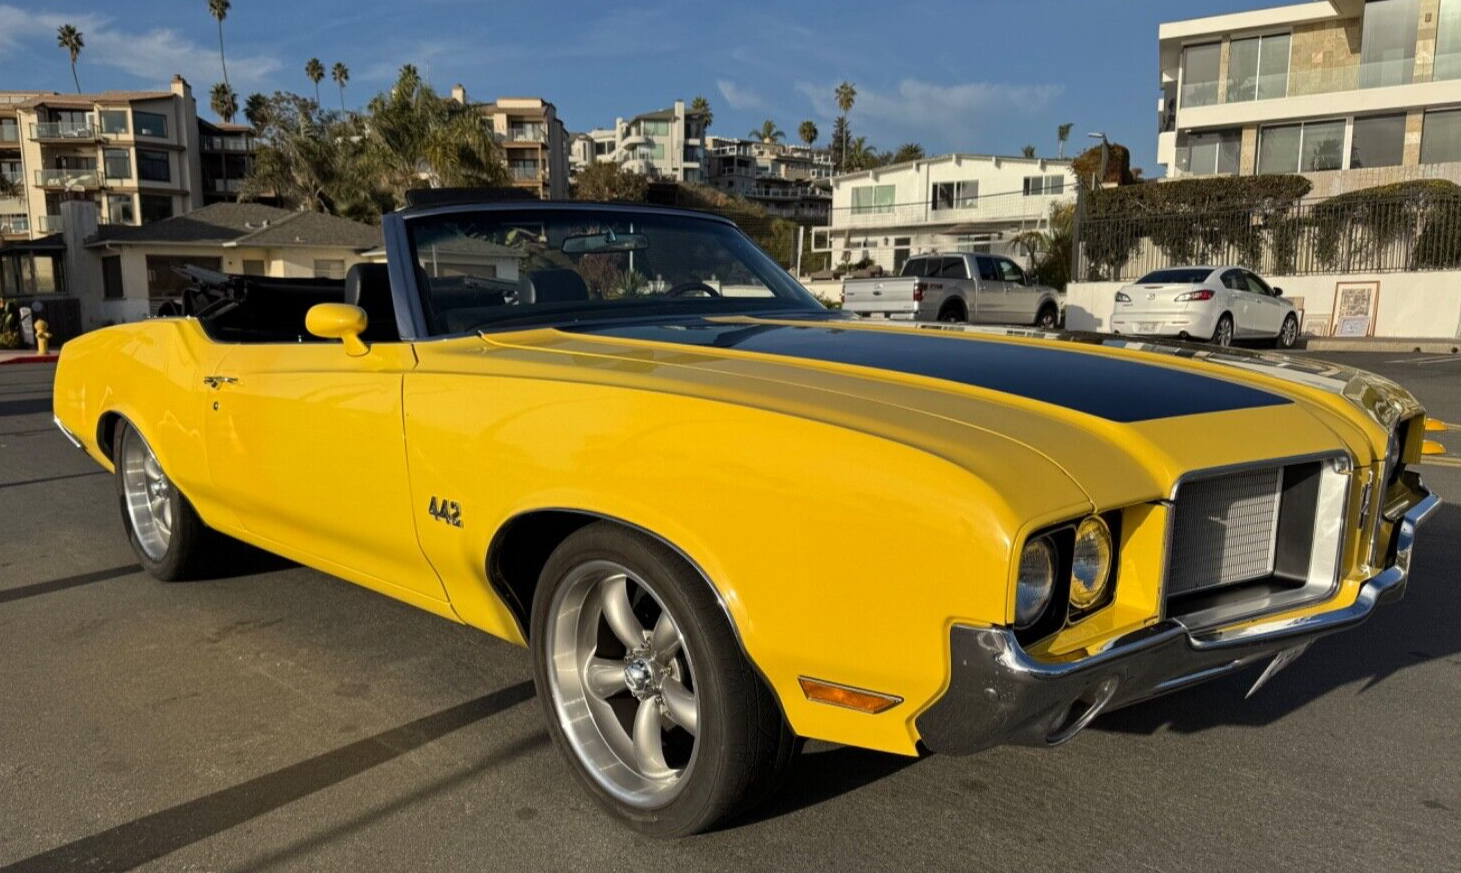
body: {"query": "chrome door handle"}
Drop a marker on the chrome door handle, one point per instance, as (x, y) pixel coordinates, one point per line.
(216, 381)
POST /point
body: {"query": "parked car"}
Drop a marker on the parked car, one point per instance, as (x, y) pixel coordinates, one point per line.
(1216, 304)
(723, 518)
(956, 288)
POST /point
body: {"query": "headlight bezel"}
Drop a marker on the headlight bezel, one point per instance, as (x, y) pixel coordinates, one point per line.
(1059, 613)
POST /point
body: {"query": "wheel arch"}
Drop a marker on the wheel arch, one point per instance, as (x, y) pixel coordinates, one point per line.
(954, 301)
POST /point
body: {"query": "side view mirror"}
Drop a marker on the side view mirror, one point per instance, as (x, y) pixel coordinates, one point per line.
(1278, 292)
(339, 321)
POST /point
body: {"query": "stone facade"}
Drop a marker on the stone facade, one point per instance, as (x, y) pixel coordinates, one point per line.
(1425, 43)
(1338, 182)
(1325, 57)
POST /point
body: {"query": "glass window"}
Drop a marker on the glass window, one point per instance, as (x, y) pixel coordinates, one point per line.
(114, 121)
(1258, 68)
(1278, 149)
(1306, 148)
(118, 164)
(253, 267)
(1200, 65)
(1010, 271)
(47, 275)
(1233, 281)
(9, 130)
(329, 268)
(1387, 43)
(153, 166)
(955, 195)
(1323, 147)
(917, 268)
(953, 268)
(1378, 141)
(548, 266)
(111, 278)
(1440, 142)
(656, 128)
(1044, 186)
(988, 272)
(1448, 41)
(150, 124)
(155, 207)
(120, 209)
(1213, 152)
(1176, 276)
(872, 198)
(1257, 285)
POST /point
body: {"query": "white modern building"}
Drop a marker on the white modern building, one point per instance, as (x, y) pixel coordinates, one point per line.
(533, 139)
(1350, 93)
(955, 202)
(778, 176)
(665, 144)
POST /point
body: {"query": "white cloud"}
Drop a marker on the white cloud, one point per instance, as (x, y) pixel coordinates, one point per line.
(957, 112)
(737, 97)
(152, 56)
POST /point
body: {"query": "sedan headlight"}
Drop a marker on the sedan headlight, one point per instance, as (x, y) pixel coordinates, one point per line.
(1036, 582)
(1090, 567)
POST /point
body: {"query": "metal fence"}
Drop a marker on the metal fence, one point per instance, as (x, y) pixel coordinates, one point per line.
(1399, 234)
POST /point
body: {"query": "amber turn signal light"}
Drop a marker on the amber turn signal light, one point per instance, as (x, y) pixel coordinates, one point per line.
(1432, 448)
(1433, 426)
(870, 702)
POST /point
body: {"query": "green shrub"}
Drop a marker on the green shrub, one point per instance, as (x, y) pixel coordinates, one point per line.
(10, 335)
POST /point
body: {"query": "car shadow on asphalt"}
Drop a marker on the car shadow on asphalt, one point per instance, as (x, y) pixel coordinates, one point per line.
(819, 776)
(37, 406)
(1419, 628)
(161, 833)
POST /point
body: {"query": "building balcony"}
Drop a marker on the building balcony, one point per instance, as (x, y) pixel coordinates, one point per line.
(1354, 89)
(242, 145)
(223, 186)
(55, 178)
(994, 209)
(13, 224)
(521, 174)
(64, 131)
(526, 136)
(50, 224)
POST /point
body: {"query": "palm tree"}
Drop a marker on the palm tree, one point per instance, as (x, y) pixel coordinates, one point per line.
(846, 96)
(1062, 135)
(808, 132)
(859, 155)
(224, 102)
(1028, 151)
(341, 75)
(256, 110)
(219, 10)
(908, 151)
(69, 38)
(316, 72)
(701, 105)
(768, 132)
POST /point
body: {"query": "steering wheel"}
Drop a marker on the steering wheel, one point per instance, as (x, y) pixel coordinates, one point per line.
(684, 288)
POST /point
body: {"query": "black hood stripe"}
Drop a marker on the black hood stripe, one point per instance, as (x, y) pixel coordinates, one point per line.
(1110, 387)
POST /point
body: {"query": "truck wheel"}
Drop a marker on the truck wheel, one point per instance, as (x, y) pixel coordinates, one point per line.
(170, 540)
(1048, 319)
(953, 313)
(645, 689)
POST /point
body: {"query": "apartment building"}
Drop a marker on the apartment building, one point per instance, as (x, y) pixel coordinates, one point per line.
(135, 153)
(533, 139)
(779, 176)
(1349, 93)
(666, 144)
(226, 156)
(954, 202)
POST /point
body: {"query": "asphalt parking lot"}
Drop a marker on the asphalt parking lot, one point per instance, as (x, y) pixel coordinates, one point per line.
(280, 719)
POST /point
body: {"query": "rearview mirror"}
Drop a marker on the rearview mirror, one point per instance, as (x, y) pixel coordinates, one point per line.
(604, 243)
(339, 321)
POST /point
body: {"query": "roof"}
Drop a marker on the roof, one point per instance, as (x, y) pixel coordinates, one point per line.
(227, 127)
(1063, 163)
(56, 242)
(248, 224)
(89, 100)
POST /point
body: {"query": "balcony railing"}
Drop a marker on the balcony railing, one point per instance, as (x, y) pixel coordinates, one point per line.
(1303, 83)
(525, 135)
(63, 130)
(227, 144)
(53, 178)
(14, 224)
(1000, 208)
(225, 186)
(520, 173)
(50, 224)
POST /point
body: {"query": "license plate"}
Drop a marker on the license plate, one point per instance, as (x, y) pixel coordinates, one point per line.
(1280, 661)
(1148, 326)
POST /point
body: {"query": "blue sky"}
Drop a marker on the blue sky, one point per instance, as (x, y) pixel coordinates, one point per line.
(976, 76)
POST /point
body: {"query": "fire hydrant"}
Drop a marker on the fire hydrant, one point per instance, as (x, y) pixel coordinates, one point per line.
(43, 338)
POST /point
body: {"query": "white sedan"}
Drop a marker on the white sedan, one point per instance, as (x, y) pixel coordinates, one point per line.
(1219, 304)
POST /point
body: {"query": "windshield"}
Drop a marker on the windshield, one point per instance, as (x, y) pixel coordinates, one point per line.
(479, 270)
(1180, 276)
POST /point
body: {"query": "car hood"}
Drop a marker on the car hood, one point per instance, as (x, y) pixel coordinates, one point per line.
(1123, 421)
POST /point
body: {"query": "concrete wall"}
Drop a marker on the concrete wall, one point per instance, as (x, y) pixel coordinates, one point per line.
(1409, 304)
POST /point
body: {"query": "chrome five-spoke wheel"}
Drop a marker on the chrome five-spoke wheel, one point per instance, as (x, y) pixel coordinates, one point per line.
(150, 499)
(623, 683)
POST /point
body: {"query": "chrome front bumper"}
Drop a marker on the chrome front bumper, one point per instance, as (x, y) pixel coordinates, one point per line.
(1000, 695)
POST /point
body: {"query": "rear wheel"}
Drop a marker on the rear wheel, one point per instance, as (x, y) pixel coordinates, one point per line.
(1223, 334)
(645, 689)
(953, 313)
(170, 540)
(1288, 335)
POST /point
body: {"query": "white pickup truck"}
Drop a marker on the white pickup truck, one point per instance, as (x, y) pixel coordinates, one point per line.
(957, 287)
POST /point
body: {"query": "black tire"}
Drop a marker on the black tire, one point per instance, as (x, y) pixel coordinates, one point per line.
(1288, 335)
(953, 313)
(744, 745)
(193, 547)
(1048, 318)
(1222, 335)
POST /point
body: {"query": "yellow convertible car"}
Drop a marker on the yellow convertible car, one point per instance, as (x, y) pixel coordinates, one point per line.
(725, 519)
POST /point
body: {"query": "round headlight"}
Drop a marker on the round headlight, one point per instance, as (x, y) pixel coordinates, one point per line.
(1090, 567)
(1036, 582)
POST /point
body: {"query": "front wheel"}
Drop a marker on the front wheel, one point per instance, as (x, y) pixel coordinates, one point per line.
(170, 540)
(646, 691)
(1048, 319)
(1288, 335)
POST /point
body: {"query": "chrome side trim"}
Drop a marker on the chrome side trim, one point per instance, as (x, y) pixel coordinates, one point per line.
(70, 437)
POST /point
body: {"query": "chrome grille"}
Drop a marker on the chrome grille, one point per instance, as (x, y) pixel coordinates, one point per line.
(1224, 530)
